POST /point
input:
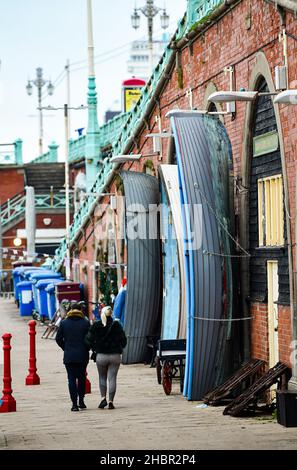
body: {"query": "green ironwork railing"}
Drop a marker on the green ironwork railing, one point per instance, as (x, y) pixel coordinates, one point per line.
(49, 157)
(199, 10)
(15, 207)
(108, 134)
(45, 158)
(77, 148)
(7, 158)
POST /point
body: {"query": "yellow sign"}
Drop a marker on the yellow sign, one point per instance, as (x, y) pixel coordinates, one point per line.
(131, 96)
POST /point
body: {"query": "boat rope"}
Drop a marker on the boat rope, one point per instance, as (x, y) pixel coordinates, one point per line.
(130, 336)
(221, 223)
(211, 253)
(223, 319)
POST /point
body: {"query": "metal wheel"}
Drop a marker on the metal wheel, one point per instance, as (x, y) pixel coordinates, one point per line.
(167, 377)
(158, 370)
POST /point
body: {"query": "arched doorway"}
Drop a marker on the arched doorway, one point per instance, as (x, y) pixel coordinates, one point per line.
(269, 283)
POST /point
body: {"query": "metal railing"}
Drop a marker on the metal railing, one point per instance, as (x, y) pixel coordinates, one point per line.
(15, 207)
(77, 148)
(199, 10)
(47, 157)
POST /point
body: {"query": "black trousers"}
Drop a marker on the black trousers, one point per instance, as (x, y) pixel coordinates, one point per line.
(76, 381)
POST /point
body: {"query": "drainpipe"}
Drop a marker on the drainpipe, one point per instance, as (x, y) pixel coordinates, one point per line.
(293, 381)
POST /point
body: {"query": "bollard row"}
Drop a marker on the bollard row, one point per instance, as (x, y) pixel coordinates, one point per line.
(7, 402)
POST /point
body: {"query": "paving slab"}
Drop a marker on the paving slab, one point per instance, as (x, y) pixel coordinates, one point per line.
(144, 418)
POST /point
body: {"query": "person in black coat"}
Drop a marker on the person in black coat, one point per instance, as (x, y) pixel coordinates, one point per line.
(70, 337)
(107, 339)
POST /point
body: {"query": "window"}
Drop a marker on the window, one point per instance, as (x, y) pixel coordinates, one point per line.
(271, 211)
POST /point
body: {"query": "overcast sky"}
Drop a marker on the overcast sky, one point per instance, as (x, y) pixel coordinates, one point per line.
(45, 33)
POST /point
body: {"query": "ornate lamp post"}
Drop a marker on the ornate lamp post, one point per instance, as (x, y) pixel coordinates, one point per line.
(40, 82)
(150, 11)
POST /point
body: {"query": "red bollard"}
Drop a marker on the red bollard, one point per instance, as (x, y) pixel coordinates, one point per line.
(32, 378)
(88, 385)
(7, 403)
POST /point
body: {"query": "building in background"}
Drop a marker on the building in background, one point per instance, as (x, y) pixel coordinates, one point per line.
(110, 114)
(138, 64)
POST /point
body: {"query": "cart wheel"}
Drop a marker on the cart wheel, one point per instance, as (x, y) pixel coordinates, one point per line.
(167, 377)
(158, 370)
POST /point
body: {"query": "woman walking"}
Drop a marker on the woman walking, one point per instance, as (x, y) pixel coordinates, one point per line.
(107, 339)
(70, 337)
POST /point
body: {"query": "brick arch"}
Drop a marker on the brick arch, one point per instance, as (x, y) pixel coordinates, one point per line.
(260, 71)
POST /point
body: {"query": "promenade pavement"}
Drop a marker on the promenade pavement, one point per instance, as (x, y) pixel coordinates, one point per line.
(144, 418)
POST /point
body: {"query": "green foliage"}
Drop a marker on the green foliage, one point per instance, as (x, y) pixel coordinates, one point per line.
(149, 165)
(108, 284)
(180, 77)
(203, 20)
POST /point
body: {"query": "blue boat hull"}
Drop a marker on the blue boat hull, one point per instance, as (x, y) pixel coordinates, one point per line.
(203, 155)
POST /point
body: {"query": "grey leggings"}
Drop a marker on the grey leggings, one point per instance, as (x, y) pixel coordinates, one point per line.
(108, 366)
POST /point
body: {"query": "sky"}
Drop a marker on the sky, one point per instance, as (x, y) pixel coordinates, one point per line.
(45, 33)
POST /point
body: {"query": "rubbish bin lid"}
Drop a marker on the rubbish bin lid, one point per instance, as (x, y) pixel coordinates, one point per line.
(24, 284)
(48, 275)
(43, 283)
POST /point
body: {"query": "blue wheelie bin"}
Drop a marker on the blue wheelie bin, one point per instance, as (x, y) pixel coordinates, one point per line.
(52, 303)
(35, 277)
(25, 298)
(18, 276)
(51, 300)
(42, 295)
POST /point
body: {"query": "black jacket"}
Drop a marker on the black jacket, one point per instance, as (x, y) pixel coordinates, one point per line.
(109, 339)
(71, 338)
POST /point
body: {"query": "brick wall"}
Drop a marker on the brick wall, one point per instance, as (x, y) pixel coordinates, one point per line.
(12, 183)
(259, 332)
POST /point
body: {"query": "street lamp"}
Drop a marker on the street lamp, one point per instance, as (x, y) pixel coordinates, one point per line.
(40, 82)
(17, 241)
(229, 96)
(150, 11)
(164, 19)
(286, 97)
(125, 158)
(135, 19)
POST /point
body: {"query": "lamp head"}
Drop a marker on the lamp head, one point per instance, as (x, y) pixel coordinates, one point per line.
(29, 88)
(164, 19)
(50, 89)
(286, 97)
(230, 96)
(135, 19)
